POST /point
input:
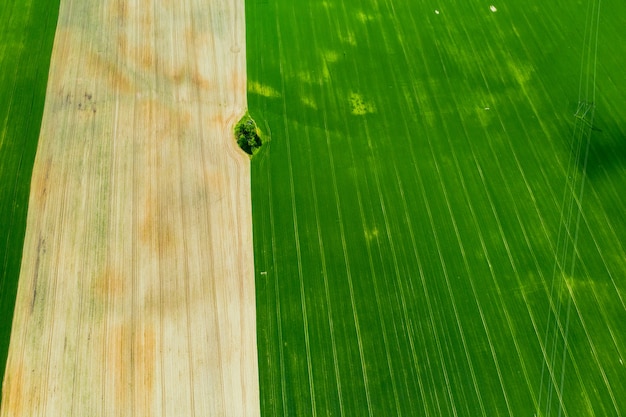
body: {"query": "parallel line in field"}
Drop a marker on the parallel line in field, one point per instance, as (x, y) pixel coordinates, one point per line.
(54, 268)
(110, 230)
(398, 274)
(534, 256)
(327, 143)
(516, 273)
(135, 250)
(377, 297)
(191, 52)
(161, 273)
(572, 198)
(544, 345)
(445, 272)
(294, 213)
(496, 159)
(12, 97)
(595, 240)
(281, 351)
(521, 223)
(539, 85)
(604, 314)
(491, 345)
(470, 279)
(336, 194)
(335, 355)
(329, 316)
(560, 399)
(539, 119)
(500, 226)
(379, 307)
(581, 213)
(595, 354)
(459, 240)
(350, 284)
(548, 97)
(385, 277)
(283, 382)
(422, 276)
(353, 301)
(616, 240)
(400, 288)
(484, 246)
(80, 310)
(390, 239)
(442, 358)
(417, 258)
(596, 357)
(577, 196)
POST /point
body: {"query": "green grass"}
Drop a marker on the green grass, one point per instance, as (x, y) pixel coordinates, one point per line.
(408, 210)
(26, 36)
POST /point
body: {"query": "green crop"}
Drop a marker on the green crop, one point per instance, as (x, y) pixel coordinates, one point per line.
(422, 244)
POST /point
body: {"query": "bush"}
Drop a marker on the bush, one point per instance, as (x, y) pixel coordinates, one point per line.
(247, 135)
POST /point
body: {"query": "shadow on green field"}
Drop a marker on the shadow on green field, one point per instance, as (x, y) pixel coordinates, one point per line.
(607, 149)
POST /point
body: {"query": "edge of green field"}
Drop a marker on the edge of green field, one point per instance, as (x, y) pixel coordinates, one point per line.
(26, 38)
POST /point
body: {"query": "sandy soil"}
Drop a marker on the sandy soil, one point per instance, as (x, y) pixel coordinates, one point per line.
(136, 296)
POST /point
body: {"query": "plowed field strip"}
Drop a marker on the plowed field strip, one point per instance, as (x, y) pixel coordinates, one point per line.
(136, 295)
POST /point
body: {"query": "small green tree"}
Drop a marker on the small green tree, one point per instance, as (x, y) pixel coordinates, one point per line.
(247, 135)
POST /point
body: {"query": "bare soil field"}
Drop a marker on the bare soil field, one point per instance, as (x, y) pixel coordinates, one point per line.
(136, 293)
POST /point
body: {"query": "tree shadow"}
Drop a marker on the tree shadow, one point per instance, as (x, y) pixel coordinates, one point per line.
(607, 149)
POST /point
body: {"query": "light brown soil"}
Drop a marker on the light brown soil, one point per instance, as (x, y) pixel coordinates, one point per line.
(136, 296)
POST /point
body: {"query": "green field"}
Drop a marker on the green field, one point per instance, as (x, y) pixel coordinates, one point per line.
(26, 35)
(428, 232)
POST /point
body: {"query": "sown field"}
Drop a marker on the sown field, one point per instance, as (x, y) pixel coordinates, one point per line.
(136, 288)
(26, 34)
(429, 237)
